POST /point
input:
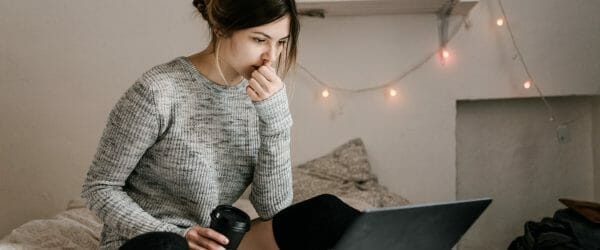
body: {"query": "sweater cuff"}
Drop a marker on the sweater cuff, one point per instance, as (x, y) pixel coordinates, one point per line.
(184, 231)
(273, 112)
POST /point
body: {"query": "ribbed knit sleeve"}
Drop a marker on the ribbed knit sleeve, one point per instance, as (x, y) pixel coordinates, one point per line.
(272, 181)
(133, 127)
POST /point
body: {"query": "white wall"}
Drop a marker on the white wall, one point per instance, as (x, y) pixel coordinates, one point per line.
(63, 64)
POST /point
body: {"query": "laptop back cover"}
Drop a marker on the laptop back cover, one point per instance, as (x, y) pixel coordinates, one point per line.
(430, 226)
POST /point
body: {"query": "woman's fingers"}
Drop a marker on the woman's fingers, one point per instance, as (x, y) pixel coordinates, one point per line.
(257, 87)
(200, 238)
(269, 73)
(252, 94)
(193, 246)
(264, 82)
(213, 235)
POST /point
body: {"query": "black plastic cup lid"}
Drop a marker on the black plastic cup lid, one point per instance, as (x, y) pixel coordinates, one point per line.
(232, 216)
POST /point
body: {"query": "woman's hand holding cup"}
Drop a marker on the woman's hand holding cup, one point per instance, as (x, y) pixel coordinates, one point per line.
(203, 238)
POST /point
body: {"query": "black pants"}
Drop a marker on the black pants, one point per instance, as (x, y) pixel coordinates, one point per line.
(156, 240)
(316, 224)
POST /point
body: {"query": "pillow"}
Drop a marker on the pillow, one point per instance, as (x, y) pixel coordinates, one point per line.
(347, 162)
(345, 172)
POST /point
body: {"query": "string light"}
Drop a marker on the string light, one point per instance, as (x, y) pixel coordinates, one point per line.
(520, 57)
(444, 21)
(445, 54)
(500, 22)
(321, 84)
(392, 92)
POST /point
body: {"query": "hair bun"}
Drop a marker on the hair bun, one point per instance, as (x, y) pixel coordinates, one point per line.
(201, 6)
(198, 3)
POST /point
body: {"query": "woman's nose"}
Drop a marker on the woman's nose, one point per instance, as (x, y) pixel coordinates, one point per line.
(269, 55)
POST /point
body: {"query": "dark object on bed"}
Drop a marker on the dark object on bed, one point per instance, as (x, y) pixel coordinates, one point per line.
(566, 230)
(589, 210)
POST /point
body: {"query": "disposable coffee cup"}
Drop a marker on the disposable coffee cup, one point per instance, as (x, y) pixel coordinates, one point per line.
(231, 222)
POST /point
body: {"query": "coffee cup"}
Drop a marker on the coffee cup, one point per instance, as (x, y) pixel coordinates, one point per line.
(230, 221)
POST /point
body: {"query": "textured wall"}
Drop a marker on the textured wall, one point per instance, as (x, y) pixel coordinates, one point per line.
(509, 151)
(596, 146)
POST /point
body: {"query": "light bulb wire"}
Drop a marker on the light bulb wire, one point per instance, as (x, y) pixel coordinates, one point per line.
(549, 108)
(386, 84)
(522, 60)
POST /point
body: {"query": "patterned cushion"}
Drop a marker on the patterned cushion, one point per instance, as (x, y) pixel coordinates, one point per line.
(344, 172)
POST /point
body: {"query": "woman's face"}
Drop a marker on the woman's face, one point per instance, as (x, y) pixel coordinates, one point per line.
(246, 50)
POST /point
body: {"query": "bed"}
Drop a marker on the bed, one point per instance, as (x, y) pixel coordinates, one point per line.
(344, 172)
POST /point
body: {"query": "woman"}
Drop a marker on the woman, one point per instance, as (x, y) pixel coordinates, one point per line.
(193, 133)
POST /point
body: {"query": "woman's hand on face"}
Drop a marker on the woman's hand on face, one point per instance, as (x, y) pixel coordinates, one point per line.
(264, 83)
(202, 238)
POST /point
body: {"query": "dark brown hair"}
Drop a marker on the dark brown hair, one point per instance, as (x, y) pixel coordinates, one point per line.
(227, 16)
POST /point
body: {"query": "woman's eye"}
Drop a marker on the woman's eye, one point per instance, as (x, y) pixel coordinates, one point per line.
(258, 40)
(282, 42)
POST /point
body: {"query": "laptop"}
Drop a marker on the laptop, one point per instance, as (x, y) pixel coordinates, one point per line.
(415, 227)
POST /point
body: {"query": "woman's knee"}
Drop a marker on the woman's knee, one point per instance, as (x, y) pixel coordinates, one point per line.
(156, 240)
(316, 223)
(327, 201)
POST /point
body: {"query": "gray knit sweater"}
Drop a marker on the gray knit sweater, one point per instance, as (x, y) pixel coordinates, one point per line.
(176, 145)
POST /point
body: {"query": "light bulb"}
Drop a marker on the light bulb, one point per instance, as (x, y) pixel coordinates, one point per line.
(527, 84)
(445, 53)
(325, 93)
(393, 92)
(500, 22)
